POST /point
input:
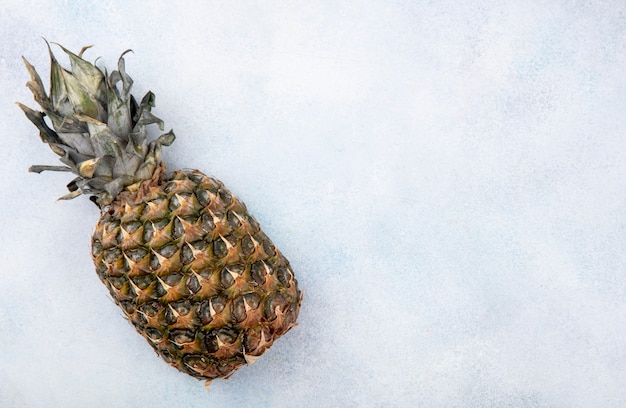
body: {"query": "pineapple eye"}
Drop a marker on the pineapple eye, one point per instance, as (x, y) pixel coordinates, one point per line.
(170, 317)
(142, 282)
(174, 203)
(219, 248)
(148, 232)
(252, 300)
(96, 248)
(258, 272)
(207, 223)
(160, 291)
(117, 282)
(200, 245)
(196, 178)
(268, 247)
(154, 262)
(253, 337)
(111, 255)
(209, 308)
(226, 278)
(186, 255)
(162, 223)
(183, 307)
(227, 335)
(196, 362)
(139, 320)
(170, 186)
(242, 304)
(136, 255)
(272, 302)
(284, 276)
(132, 226)
(177, 229)
(204, 312)
(150, 309)
(128, 307)
(239, 309)
(154, 334)
(233, 220)
(172, 279)
(211, 184)
(193, 285)
(247, 246)
(253, 223)
(226, 197)
(111, 226)
(210, 342)
(168, 251)
(237, 268)
(219, 303)
(203, 197)
(181, 336)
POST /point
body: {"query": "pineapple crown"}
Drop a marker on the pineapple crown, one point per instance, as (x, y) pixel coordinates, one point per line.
(98, 128)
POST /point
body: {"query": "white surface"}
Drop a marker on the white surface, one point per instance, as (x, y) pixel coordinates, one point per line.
(448, 181)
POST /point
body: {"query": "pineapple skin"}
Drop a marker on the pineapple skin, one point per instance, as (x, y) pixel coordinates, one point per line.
(194, 273)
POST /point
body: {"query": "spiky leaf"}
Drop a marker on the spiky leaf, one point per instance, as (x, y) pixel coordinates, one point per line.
(98, 129)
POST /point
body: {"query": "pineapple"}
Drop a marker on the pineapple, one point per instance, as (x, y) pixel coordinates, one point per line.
(180, 255)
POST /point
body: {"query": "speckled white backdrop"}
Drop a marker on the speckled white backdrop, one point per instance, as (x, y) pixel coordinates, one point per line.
(448, 180)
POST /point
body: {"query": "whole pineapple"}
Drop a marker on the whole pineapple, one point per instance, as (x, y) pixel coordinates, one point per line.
(180, 254)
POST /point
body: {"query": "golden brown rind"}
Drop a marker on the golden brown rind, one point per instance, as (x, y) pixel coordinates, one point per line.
(195, 274)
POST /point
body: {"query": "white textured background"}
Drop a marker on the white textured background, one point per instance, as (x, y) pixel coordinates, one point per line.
(448, 180)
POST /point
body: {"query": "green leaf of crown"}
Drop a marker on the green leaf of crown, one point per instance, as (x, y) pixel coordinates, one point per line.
(96, 126)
